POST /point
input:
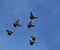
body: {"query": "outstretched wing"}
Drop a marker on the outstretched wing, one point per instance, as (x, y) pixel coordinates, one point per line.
(18, 24)
(35, 17)
(30, 22)
(33, 25)
(9, 31)
(31, 14)
(33, 38)
(17, 21)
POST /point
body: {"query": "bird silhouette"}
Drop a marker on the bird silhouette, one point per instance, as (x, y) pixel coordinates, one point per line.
(32, 16)
(30, 25)
(17, 24)
(9, 32)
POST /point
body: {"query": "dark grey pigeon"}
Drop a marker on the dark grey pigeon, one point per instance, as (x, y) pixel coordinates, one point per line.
(30, 25)
(32, 16)
(17, 24)
(9, 32)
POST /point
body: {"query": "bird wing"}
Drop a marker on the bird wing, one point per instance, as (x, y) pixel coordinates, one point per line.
(30, 22)
(17, 21)
(31, 14)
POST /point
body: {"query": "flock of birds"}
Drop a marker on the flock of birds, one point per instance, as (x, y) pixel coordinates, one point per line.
(17, 24)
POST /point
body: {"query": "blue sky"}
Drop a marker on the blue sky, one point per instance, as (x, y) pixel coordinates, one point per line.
(47, 29)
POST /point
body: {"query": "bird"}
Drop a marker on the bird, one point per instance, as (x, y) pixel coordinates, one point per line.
(17, 24)
(30, 25)
(32, 16)
(32, 42)
(33, 38)
(9, 32)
